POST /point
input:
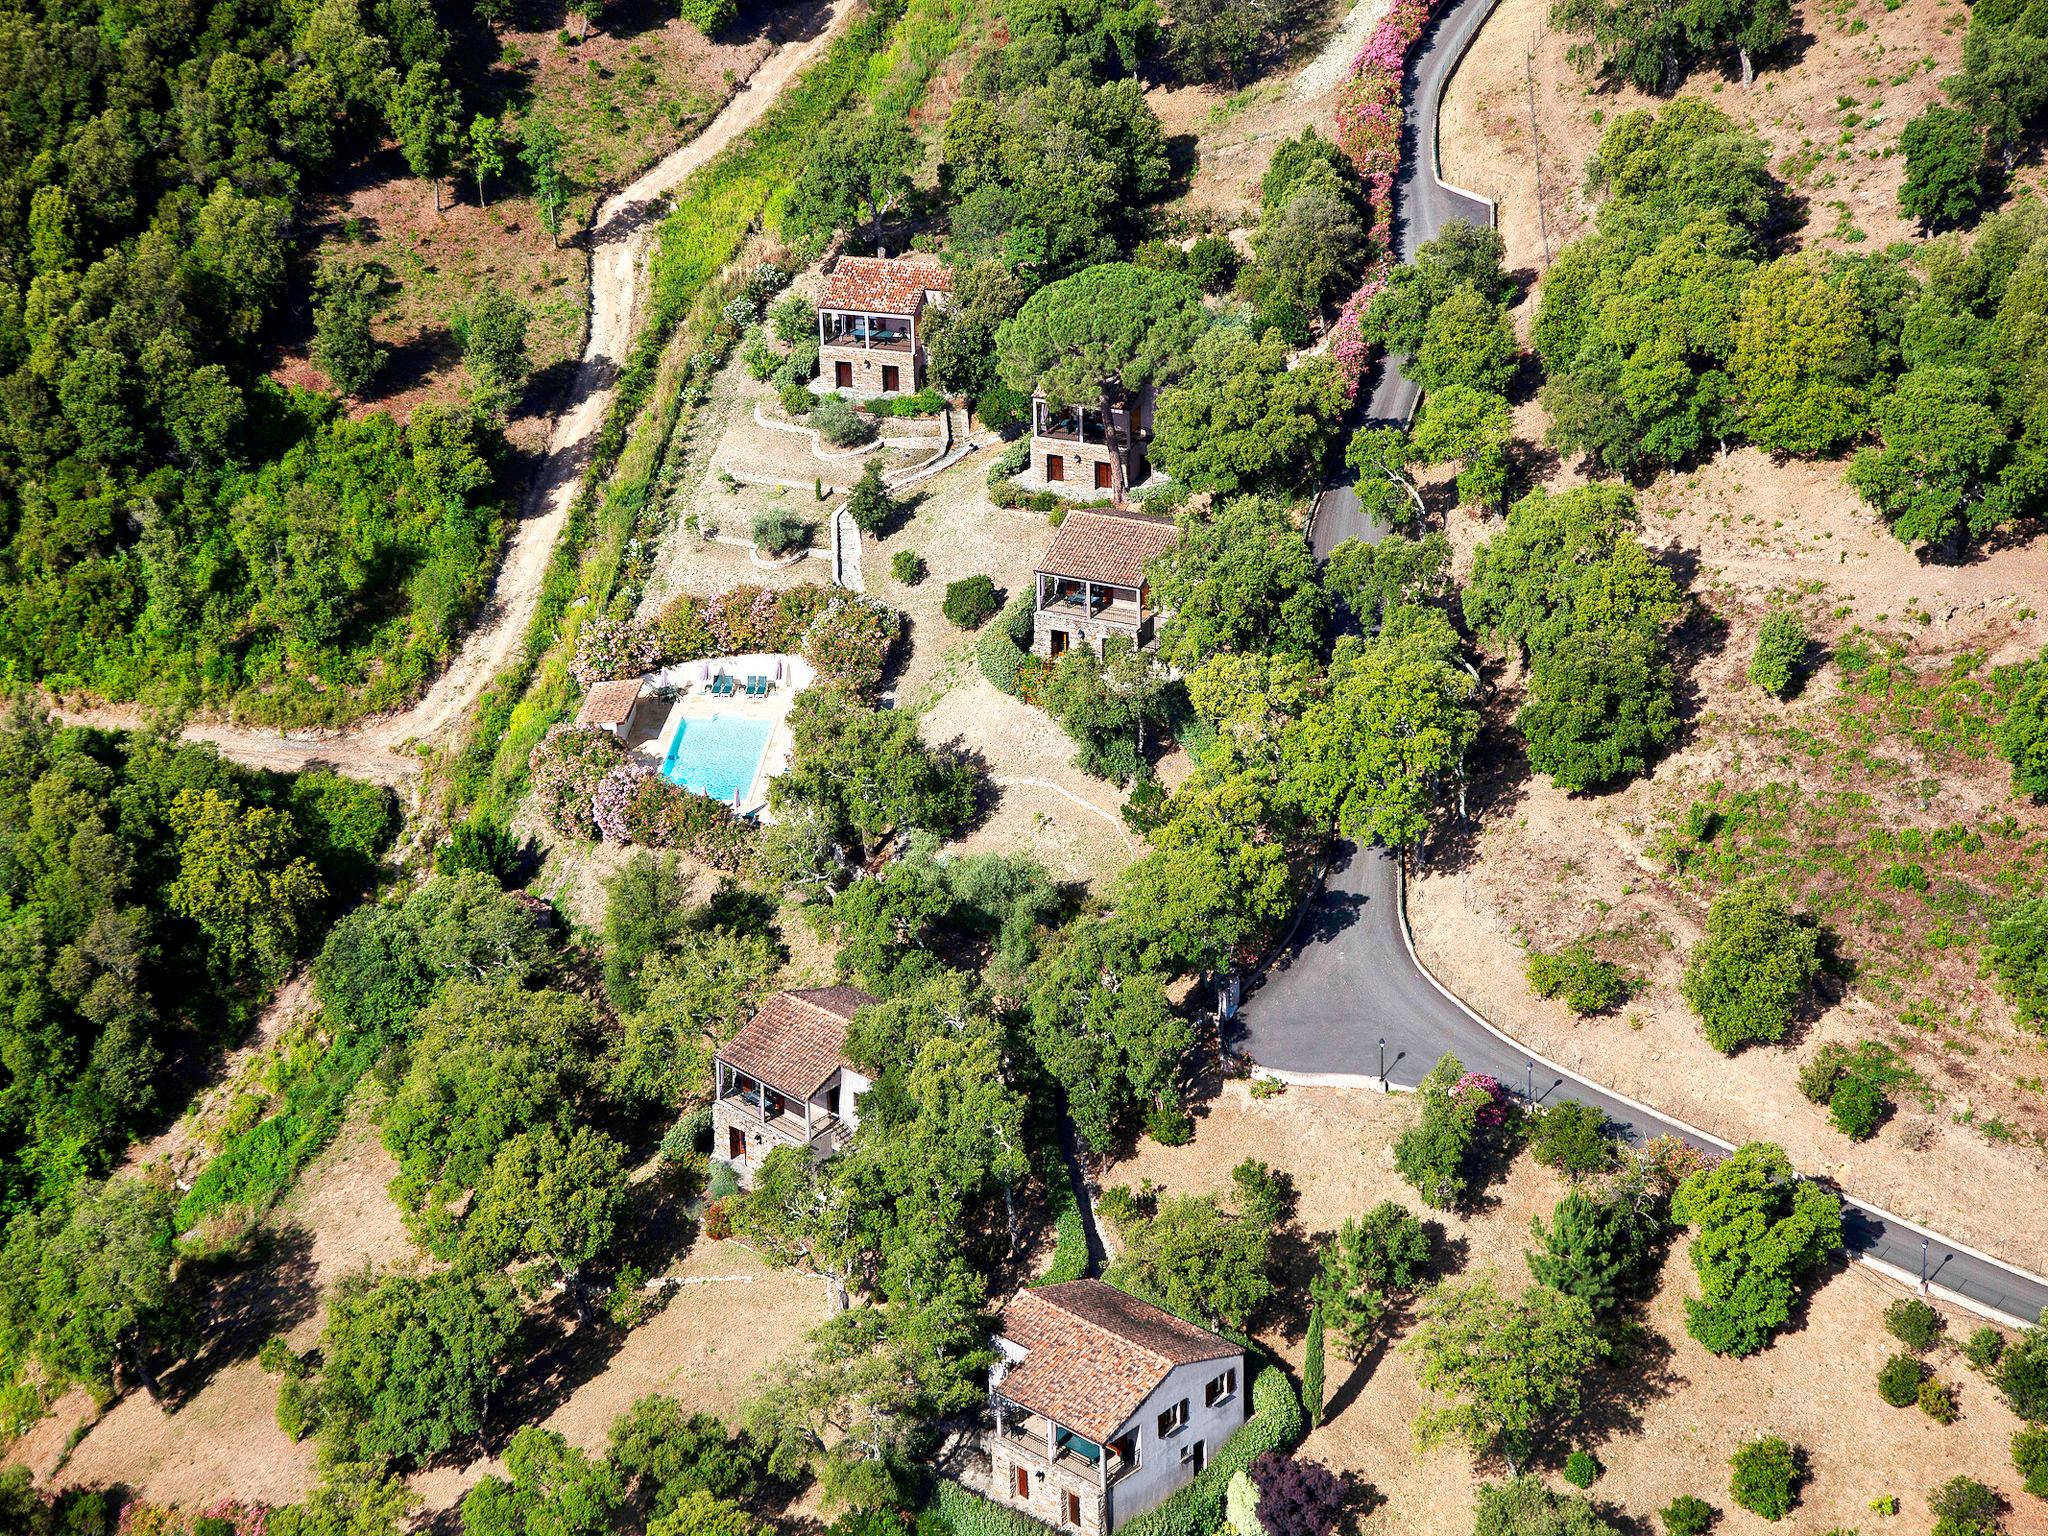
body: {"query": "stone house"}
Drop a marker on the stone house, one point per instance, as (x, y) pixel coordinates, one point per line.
(1104, 1405)
(869, 323)
(784, 1080)
(1070, 449)
(1091, 583)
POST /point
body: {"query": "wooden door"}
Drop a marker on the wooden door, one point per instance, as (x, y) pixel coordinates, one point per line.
(735, 1143)
(1074, 1509)
(891, 377)
(842, 374)
(1055, 467)
(1102, 477)
(1057, 642)
(1023, 1483)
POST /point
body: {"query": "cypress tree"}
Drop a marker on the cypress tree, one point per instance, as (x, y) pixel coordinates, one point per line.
(1312, 1368)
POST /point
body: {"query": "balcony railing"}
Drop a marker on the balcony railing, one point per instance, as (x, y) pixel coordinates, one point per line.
(1026, 1437)
(1101, 606)
(787, 1124)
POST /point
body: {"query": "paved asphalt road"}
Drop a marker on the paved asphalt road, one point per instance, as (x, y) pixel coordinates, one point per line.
(1348, 978)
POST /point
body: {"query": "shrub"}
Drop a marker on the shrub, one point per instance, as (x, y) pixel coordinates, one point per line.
(1857, 1108)
(1747, 978)
(757, 356)
(800, 367)
(1686, 1516)
(779, 531)
(717, 1221)
(1581, 1470)
(869, 503)
(1938, 1401)
(2023, 1374)
(1572, 1138)
(926, 402)
(1169, 1125)
(1010, 463)
(796, 399)
(611, 649)
(566, 769)
(907, 566)
(1983, 1348)
(2018, 950)
(1820, 1077)
(298, 1408)
(840, 424)
(1781, 644)
(1587, 984)
(1296, 1497)
(971, 601)
(1913, 1323)
(793, 319)
(1965, 1507)
(2030, 1458)
(1765, 1477)
(1898, 1383)
(1212, 263)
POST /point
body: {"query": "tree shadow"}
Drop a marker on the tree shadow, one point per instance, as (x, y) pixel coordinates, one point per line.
(267, 1290)
(1617, 1393)
(1361, 1372)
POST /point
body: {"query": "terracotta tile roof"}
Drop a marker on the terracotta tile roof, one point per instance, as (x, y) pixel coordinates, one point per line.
(609, 703)
(1094, 1354)
(1111, 547)
(796, 1040)
(885, 285)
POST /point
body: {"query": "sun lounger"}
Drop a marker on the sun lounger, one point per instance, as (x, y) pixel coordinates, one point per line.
(721, 686)
(757, 687)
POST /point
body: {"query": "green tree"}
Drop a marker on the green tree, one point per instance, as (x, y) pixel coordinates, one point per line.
(1473, 428)
(554, 1490)
(1310, 251)
(868, 772)
(1099, 338)
(2023, 733)
(872, 506)
(1527, 1506)
(426, 120)
(2022, 1374)
(1760, 1229)
(2003, 84)
(2030, 1458)
(1463, 256)
(348, 300)
(242, 880)
(1215, 40)
(1103, 1028)
(540, 152)
(1944, 152)
(854, 178)
(960, 344)
(1572, 1138)
(1240, 578)
(709, 17)
(1517, 1362)
(1748, 977)
(1467, 340)
(1779, 659)
(690, 1000)
(1797, 329)
(1942, 449)
(1373, 580)
(1312, 1369)
(1197, 1260)
(1372, 1261)
(1377, 755)
(1601, 702)
(1765, 1477)
(662, 1453)
(1431, 1154)
(2018, 951)
(408, 1362)
(491, 330)
(1598, 1248)
(550, 1194)
(486, 151)
(1243, 418)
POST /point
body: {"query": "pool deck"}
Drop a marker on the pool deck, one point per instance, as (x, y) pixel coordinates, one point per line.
(653, 738)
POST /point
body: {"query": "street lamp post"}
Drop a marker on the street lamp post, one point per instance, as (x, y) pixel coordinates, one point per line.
(1923, 1266)
(1529, 1084)
(1383, 1063)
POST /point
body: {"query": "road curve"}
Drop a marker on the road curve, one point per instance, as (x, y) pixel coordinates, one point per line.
(1349, 979)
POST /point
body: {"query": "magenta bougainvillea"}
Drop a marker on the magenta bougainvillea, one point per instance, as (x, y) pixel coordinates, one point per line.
(1368, 129)
(1484, 1092)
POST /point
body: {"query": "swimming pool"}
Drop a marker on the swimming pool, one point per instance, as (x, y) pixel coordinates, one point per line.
(717, 756)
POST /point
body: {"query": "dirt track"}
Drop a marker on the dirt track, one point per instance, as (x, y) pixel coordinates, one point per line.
(380, 748)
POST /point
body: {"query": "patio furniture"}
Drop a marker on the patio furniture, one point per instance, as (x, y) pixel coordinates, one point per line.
(721, 686)
(757, 687)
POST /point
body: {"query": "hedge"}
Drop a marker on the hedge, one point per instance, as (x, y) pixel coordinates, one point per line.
(1070, 1232)
(1196, 1510)
(1000, 648)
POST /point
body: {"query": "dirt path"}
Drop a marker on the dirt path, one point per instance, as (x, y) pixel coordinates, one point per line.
(381, 749)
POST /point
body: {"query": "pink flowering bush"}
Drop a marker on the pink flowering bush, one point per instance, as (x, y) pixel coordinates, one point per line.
(614, 794)
(567, 767)
(681, 632)
(608, 649)
(1368, 129)
(849, 642)
(1484, 1093)
(635, 805)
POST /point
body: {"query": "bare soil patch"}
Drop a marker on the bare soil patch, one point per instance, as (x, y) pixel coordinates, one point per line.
(1662, 1425)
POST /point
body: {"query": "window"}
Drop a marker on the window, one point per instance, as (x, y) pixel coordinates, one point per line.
(1195, 1456)
(1074, 1509)
(1219, 1388)
(1174, 1419)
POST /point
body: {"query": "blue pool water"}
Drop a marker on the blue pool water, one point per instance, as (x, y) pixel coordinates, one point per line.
(718, 756)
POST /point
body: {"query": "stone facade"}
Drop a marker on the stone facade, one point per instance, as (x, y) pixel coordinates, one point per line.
(1054, 1491)
(1070, 453)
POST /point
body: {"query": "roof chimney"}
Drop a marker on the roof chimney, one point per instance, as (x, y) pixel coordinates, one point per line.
(881, 253)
